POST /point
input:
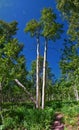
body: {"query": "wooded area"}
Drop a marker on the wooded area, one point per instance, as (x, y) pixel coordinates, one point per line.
(30, 98)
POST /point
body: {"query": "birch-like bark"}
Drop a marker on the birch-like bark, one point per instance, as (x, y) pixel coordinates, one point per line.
(37, 75)
(76, 93)
(44, 74)
(24, 88)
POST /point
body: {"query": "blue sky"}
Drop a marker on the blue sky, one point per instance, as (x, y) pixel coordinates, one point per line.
(23, 11)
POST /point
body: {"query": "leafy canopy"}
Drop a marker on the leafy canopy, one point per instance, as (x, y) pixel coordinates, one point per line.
(33, 27)
(70, 10)
(50, 28)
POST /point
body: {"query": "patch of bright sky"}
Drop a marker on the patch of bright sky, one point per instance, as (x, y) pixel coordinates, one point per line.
(23, 11)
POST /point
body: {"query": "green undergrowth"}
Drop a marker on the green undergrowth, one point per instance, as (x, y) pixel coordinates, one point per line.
(29, 119)
(71, 115)
(24, 116)
(70, 111)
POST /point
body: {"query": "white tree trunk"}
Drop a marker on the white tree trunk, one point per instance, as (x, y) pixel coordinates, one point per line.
(44, 74)
(37, 75)
(76, 93)
(24, 88)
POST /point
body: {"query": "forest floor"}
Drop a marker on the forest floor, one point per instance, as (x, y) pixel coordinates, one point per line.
(59, 124)
(61, 115)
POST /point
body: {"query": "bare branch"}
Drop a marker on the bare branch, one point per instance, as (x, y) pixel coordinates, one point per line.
(24, 88)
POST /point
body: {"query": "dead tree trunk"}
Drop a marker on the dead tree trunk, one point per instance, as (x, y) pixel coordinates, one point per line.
(24, 88)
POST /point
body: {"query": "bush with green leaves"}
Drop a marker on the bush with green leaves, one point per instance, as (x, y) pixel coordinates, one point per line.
(30, 119)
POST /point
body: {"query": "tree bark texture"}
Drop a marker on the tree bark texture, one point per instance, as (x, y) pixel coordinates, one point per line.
(24, 88)
(44, 74)
(37, 76)
(76, 93)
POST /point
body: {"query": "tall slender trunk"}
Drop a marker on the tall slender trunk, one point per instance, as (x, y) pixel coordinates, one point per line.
(1, 101)
(44, 74)
(37, 75)
(76, 93)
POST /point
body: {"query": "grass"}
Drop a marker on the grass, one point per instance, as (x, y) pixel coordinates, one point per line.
(25, 116)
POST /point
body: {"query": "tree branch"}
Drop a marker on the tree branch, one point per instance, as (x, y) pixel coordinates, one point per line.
(24, 88)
